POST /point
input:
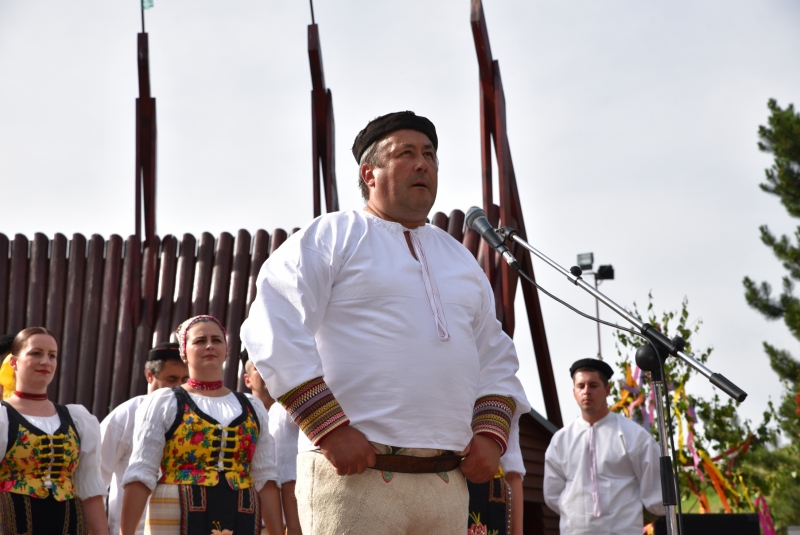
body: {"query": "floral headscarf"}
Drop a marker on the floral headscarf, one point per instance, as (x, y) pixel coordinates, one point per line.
(184, 327)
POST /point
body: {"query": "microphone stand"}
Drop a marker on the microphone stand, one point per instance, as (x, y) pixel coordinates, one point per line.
(649, 357)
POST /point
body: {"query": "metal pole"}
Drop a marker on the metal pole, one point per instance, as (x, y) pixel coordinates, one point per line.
(597, 315)
(671, 517)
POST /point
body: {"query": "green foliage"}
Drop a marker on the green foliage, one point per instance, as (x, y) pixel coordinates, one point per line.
(715, 424)
(778, 470)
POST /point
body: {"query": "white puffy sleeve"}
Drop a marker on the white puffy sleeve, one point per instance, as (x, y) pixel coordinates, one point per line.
(293, 290)
(498, 357)
(646, 456)
(3, 431)
(153, 419)
(87, 479)
(512, 461)
(555, 481)
(263, 467)
(285, 433)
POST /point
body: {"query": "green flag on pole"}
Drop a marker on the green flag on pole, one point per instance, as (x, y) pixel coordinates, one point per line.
(147, 4)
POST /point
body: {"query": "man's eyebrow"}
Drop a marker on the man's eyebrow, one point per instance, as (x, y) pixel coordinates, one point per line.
(407, 145)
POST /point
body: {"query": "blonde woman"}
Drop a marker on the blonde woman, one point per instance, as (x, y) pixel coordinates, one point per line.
(49, 474)
(212, 448)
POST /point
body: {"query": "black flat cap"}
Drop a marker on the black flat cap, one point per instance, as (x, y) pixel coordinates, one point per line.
(594, 364)
(168, 351)
(386, 124)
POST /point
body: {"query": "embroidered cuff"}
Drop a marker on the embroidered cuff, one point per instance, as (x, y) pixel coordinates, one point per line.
(314, 409)
(492, 416)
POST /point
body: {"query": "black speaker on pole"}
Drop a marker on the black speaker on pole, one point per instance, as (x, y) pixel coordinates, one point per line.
(714, 524)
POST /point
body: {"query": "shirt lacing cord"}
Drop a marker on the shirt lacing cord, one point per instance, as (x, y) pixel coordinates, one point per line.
(431, 289)
(593, 472)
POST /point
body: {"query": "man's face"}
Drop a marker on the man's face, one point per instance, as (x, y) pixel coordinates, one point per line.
(256, 383)
(590, 392)
(173, 373)
(404, 186)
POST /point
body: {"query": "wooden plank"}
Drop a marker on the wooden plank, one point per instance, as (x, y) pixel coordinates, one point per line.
(37, 281)
(259, 255)
(237, 299)
(439, 220)
(220, 277)
(107, 334)
(166, 289)
(472, 242)
(202, 275)
(278, 237)
(329, 163)
(143, 337)
(15, 321)
(455, 225)
(69, 349)
(90, 322)
(120, 370)
(5, 268)
(184, 281)
(56, 298)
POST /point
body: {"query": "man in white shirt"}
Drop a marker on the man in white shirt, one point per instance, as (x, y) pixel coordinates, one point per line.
(601, 469)
(377, 332)
(163, 369)
(285, 434)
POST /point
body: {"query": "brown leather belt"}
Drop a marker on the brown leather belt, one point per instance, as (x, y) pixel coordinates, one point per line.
(406, 464)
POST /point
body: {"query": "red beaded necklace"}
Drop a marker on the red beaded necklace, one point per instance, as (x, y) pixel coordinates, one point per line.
(34, 397)
(204, 385)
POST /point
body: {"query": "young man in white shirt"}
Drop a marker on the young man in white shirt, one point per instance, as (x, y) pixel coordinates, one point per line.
(602, 468)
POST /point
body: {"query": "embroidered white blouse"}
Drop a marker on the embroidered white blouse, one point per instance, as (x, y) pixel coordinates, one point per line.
(86, 478)
(598, 477)
(405, 346)
(157, 414)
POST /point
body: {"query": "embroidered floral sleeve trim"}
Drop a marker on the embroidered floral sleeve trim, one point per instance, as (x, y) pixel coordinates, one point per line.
(492, 416)
(313, 407)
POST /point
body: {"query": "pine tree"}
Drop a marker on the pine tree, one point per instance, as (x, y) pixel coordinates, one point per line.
(781, 138)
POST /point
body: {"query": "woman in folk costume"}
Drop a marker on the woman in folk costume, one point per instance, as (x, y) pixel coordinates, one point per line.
(50, 471)
(211, 445)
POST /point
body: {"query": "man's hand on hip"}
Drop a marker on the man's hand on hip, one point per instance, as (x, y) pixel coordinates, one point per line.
(348, 450)
(482, 459)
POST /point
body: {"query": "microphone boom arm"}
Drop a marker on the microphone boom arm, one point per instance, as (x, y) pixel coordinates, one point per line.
(647, 330)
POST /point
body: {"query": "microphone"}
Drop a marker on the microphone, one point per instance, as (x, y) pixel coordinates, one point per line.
(477, 221)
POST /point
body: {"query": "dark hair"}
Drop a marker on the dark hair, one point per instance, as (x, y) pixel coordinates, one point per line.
(24, 335)
(592, 370)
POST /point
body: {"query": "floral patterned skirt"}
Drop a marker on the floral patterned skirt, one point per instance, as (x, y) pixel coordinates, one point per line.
(197, 510)
(41, 516)
(489, 507)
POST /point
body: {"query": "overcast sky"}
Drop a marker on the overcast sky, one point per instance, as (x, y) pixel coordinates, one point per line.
(633, 129)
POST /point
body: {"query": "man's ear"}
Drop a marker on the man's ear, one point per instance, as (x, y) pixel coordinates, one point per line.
(367, 175)
(149, 376)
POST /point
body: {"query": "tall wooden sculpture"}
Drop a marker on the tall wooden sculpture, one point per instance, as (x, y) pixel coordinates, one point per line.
(322, 126)
(509, 213)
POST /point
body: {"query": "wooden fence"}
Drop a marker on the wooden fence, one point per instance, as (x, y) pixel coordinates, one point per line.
(109, 301)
